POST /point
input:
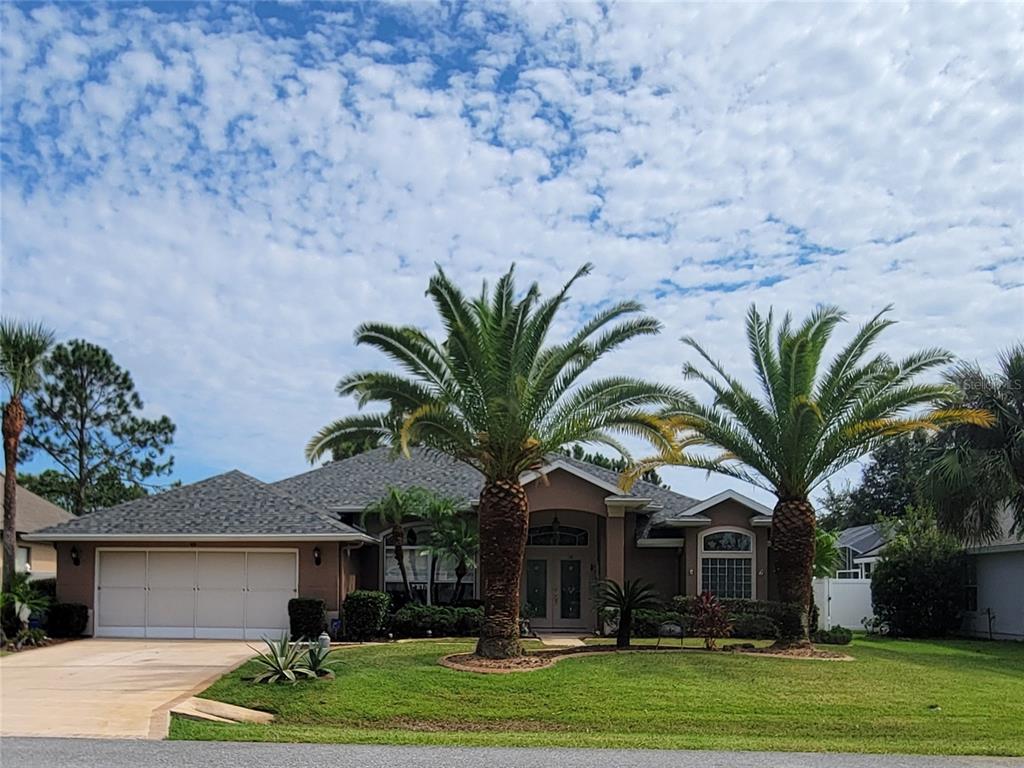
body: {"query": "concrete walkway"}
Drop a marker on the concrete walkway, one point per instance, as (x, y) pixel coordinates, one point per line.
(174, 754)
(561, 641)
(107, 688)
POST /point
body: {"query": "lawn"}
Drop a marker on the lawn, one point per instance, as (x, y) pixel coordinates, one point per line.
(950, 697)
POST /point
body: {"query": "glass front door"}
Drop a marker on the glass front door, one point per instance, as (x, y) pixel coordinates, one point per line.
(569, 590)
(536, 601)
(554, 591)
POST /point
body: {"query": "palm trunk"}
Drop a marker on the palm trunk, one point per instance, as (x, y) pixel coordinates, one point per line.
(433, 580)
(13, 423)
(460, 574)
(625, 630)
(504, 521)
(399, 538)
(793, 526)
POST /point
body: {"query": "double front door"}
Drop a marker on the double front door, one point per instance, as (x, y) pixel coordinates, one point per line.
(556, 590)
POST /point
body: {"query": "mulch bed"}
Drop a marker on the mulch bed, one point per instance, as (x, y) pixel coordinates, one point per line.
(534, 660)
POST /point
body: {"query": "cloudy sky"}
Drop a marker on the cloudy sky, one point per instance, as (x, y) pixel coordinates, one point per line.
(219, 195)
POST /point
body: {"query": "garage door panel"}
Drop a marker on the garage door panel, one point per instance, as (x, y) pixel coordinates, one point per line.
(123, 569)
(122, 607)
(271, 571)
(220, 599)
(121, 594)
(172, 570)
(172, 595)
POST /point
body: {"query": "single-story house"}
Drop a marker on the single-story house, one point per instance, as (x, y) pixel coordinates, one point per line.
(994, 588)
(34, 513)
(221, 558)
(860, 547)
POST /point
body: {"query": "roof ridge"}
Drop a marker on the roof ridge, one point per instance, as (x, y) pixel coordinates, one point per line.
(323, 514)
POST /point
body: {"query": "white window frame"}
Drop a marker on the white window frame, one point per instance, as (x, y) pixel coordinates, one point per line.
(423, 530)
(717, 554)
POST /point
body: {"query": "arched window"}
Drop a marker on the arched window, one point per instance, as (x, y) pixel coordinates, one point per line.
(727, 562)
(557, 536)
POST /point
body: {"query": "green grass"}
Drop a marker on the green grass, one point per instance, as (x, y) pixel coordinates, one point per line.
(950, 697)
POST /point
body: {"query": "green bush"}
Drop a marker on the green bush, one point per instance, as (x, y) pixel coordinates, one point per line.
(647, 623)
(468, 621)
(307, 617)
(916, 589)
(366, 614)
(786, 616)
(46, 587)
(835, 636)
(754, 626)
(418, 620)
(66, 620)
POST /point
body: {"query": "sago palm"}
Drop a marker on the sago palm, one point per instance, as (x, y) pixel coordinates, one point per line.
(22, 349)
(495, 393)
(808, 421)
(981, 471)
(623, 601)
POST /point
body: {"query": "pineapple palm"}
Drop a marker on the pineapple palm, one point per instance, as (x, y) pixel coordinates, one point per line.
(496, 394)
(22, 349)
(807, 422)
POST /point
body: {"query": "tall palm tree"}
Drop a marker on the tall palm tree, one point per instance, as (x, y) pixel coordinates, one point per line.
(981, 470)
(455, 540)
(22, 349)
(438, 512)
(394, 510)
(495, 394)
(807, 422)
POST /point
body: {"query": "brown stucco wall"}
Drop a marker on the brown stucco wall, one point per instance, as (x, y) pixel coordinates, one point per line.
(563, 490)
(655, 565)
(77, 583)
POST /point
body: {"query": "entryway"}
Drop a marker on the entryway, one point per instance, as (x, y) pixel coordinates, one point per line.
(194, 593)
(556, 589)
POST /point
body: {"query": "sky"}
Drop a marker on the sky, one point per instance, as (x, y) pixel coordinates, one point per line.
(219, 194)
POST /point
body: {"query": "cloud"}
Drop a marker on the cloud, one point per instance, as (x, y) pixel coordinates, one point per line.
(221, 194)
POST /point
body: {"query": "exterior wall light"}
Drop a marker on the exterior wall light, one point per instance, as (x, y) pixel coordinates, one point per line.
(317, 556)
(76, 556)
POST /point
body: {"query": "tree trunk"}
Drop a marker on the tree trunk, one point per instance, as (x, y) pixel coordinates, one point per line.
(399, 538)
(460, 574)
(625, 630)
(13, 424)
(793, 526)
(504, 522)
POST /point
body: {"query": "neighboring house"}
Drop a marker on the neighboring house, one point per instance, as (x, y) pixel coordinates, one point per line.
(221, 558)
(994, 588)
(860, 548)
(35, 513)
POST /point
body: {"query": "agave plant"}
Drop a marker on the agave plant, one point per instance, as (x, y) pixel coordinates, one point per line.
(317, 661)
(283, 662)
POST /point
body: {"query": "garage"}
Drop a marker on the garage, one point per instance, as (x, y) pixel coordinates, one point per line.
(228, 594)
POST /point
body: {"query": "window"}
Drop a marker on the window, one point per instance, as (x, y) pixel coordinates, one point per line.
(727, 563)
(420, 567)
(23, 560)
(557, 536)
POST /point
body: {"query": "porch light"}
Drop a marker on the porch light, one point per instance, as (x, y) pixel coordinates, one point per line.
(554, 526)
(76, 556)
(410, 538)
(317, 558)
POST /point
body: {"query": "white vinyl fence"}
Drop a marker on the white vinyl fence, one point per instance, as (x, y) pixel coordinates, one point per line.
(845, 602)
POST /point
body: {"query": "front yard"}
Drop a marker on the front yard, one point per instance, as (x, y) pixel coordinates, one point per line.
(950, 697)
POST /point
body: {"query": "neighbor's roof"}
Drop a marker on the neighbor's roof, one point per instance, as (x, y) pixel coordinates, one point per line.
(232, 505)
(35, 512)
(353, 483)
(862, 538)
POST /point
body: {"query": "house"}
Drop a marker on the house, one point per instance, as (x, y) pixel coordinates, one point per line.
(860, 548)
(994, 586)
(221, 558)
(33, 514)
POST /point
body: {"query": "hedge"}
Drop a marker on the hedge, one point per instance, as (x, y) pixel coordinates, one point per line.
(418, 620)
(66, 619)
(835, 636)
(307, 617)
(786, 616)
(366, 614)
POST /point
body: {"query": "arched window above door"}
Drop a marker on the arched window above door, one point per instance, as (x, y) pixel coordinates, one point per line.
(557, 536)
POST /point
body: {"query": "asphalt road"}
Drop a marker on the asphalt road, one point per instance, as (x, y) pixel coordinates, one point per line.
(102, 753)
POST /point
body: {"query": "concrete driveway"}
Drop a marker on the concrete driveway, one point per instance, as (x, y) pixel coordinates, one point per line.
(108, 688)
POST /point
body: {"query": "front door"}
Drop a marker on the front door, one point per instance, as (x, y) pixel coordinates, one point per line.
(556, 591)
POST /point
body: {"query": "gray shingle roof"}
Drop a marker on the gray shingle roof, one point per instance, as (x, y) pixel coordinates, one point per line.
(35, 512)
(231, 504)
(362, 479)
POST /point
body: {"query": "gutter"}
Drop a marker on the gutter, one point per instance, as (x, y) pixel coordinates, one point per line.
(362, 538)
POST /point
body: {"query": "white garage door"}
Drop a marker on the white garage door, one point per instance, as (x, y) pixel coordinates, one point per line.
(212, 594)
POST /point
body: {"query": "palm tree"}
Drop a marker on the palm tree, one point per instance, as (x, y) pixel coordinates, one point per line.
(496, 395)
(455, 540)
(438, 512)
(808, 422)
(826, 554)
(624, 601)
(22, 349)
(981, 470)
(393, 511)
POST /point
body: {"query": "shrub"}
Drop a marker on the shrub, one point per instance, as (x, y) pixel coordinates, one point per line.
(754, 626)
(47, 587)
(787, 617)
(282, 662)
(835, 636)
(622, 602)
(647, 623)
(711, 620)
(66, 620)
(417, 620)
(915, 588)
(366, 614)
(468, 621)
(307, 617)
